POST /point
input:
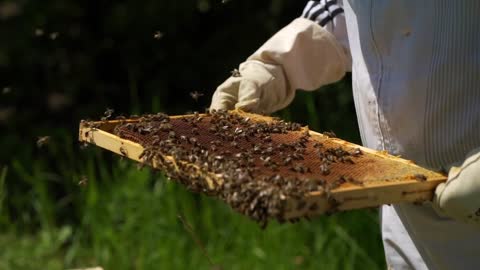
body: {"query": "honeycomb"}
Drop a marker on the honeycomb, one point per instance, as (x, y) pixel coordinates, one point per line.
(253, 163)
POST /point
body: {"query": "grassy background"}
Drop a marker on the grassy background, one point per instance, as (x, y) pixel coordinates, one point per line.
(128, 219)
(105, 56)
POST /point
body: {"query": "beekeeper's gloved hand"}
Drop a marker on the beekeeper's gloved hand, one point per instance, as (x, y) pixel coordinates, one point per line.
(258, 87)
(303, 55)
(459, 197)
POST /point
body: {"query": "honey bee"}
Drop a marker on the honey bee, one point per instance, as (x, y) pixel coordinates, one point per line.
(329, 134)
(287, 161)
(357, 152)
(347, 160)
(123, 151)
(235, 73)
(196, 95)
(83, 181)
(193, 140)
(300, 168)
(39, 32)
(420, 177)
(354, 181)
(83, 145)
(43, 140)
(107, 114)
(53, 35)
(324, 168)
(6, 90)
(317, 144)
(157, 35)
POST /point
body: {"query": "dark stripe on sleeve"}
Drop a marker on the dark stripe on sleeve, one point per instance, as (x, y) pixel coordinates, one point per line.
(324, 14)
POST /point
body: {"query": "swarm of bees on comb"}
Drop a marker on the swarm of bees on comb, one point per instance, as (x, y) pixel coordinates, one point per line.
(251, 165)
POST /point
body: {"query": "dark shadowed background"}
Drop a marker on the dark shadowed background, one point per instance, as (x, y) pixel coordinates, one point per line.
(62, 207)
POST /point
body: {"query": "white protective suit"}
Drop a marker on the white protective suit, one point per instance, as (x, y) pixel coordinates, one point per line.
(416, 84)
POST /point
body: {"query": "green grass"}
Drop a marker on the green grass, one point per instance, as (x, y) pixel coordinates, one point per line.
(128, 219)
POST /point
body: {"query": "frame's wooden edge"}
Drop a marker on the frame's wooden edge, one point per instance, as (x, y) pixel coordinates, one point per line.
(348, 199)
(133, 150)
(111, 142)
(108, 125)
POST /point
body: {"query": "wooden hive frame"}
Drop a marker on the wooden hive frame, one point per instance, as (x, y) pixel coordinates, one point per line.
(370, 194)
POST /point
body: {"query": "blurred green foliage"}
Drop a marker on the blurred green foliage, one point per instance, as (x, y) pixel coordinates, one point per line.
(62, 61)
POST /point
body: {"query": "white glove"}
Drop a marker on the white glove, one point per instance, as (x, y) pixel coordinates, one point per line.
(259, 88)
(459, 197)
(303, 55)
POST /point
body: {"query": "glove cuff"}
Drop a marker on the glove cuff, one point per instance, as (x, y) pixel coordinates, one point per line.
(275, 94)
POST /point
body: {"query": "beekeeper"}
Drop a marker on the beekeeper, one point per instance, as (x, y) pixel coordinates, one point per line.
(416, 84)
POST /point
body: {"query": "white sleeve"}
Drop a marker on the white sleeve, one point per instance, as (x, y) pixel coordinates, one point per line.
(309, 54)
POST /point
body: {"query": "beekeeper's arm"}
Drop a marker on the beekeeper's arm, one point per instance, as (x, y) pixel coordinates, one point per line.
(459, 197)
(309, 52)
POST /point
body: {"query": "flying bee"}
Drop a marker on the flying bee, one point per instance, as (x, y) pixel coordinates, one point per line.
(53, 35)
(39, 32)
(107, 114)
(83, 145)
(42, 140)
(6, 90)
(83, 181)
(196, 95)
(157, 35)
